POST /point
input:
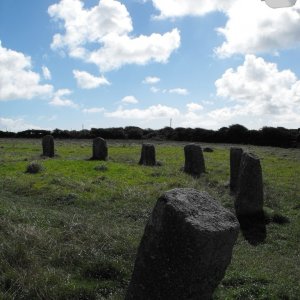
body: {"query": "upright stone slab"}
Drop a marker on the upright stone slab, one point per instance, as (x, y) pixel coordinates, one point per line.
(249, 197)
(194, 160)
(148, 155)
(235, 159)
(100, 151)
(185, 250)
(48, 146)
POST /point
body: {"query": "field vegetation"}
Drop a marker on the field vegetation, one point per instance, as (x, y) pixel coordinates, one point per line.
(71, 229)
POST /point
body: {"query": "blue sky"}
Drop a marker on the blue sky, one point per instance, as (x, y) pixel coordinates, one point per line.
(211, 63)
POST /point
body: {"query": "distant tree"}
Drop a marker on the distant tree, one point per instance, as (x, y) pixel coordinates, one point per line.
(203, 135)
(166, 133)
(180, 134)
(278, 137)
(221, 135)
(116, 133)
(133, 132)
(237, 134)
(32, 133)
(255, 137)
(7, 134)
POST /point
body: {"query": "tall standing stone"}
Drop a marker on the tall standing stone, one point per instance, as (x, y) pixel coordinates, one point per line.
(185, 250)
(250, 196)
(100, 151)
(194, 160)
(235, 160)
(48, 146)
(148, 155)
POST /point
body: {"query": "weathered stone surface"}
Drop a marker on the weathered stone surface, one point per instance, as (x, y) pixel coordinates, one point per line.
(235, 160)
(186, 248)
(100, 151)
(48, 146)
(194, 160)
(249, 197)
(148, 155)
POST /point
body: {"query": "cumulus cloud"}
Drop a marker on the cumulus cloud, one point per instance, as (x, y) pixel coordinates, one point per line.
(257, 88)
(150, 113)
(151, 80)
(15, 125)
(130, 100)
(109, 25)
(60, 100)
(46, 73)
(121, 50)
(93, 110)
(252, 27)
(17, 80)
(86, 80)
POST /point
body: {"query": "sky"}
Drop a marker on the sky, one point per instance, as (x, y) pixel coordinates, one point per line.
(74, 64)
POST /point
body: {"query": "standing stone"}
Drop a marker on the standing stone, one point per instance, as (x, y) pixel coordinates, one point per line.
(235, 159)
(249, 198)
(194, 160)
(185, 250)
(148, 155)
(100, 151)
(48, 146)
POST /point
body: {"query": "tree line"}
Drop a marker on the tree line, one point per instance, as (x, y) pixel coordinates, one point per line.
(235, 134)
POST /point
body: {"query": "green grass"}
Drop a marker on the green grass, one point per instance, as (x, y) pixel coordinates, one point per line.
(72, 230)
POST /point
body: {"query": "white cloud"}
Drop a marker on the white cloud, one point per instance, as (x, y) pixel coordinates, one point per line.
(47, 118)
(17, 80)
(253, 27)
(59, 99)
(108, 24)
(259, 89)
(194, 107)
(46, 73)
(130, 100)
(179, 91)
(154, 89)
(15, 125)
(151, 80)
(180, 8)
(93, 110)
(150, 113)
(86, 80)
(121, 50)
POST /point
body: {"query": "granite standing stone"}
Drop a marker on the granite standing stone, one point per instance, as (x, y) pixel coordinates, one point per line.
(100, 151)
(235, 160)
(148, 155)
(194, 160)
(185, 250)
(250, 196)
(48, 146)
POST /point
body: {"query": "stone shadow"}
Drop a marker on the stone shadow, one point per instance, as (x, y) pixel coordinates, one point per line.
(253, 227)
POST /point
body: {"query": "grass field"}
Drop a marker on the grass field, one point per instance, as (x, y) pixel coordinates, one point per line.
(72, 230)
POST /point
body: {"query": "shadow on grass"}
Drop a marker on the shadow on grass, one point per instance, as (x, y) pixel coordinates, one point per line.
(253, 227)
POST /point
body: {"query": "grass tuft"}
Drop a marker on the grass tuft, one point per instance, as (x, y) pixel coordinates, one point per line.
(34, 167)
